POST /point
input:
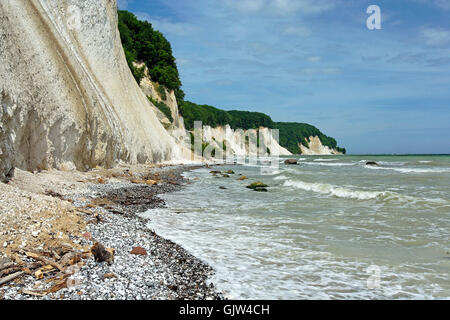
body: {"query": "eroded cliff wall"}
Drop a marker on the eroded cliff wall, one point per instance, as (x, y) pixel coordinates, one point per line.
(317, 148)
(67, 96)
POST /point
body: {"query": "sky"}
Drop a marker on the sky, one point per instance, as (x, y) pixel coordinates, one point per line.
(380, 91)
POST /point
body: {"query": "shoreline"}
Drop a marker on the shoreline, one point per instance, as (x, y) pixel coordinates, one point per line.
(104, 206)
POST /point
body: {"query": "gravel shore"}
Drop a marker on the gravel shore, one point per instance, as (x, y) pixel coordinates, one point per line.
(145, 266)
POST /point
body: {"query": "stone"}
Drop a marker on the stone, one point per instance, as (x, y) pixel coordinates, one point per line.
(257, 185)
(290, 161)
(101, 254)
(139, 251)
(151, 182)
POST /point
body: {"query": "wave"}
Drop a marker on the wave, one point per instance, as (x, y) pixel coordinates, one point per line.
(410, 170)
(325, 160)
(281, 177)
(340, 192)
(392, 163)
(340, 164)
(387, 163)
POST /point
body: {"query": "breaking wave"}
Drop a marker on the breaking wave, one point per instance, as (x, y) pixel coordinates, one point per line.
(410, 170)
(340, 192)
(325, 160)
(340, 164)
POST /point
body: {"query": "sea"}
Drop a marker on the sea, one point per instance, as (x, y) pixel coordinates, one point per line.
(331, 227)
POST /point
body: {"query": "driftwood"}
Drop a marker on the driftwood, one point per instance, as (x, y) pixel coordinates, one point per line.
(85, 211)
(6, 266)
(12, 269)
(33, 293)
(10, 277)
(45, 260)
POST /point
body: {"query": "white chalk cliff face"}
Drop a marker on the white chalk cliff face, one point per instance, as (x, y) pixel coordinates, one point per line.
(214, 137)
(234, 141)
(149, 89)
(68, 98)
(317, 148)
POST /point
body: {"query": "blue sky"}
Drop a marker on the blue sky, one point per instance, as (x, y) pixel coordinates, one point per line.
(315, 61)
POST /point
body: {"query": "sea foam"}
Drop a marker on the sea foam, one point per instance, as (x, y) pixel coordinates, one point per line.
(340, 192)
(410, 170)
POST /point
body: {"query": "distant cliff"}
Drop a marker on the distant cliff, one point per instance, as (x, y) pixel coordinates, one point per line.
(303, 138)
(68, 98)
(158, 76)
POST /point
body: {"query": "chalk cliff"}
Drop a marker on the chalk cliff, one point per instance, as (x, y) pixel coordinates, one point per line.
(317, 148)
(68, 99)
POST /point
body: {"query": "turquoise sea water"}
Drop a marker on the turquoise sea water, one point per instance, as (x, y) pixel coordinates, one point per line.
(329, 228)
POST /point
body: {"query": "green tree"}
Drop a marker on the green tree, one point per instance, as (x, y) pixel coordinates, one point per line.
(142, 43)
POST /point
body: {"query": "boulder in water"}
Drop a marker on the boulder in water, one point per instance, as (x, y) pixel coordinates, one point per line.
(258, 186)
(371, 163)
(291, 161)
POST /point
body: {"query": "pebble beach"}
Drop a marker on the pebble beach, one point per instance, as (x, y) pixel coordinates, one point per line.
(102, 205)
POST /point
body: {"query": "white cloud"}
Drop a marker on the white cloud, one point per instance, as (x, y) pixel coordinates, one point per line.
(444, 4)
(247, 6)
(166, 26)
(280, 7)
(314, 59)
(436, 37)
(297, 31)
(321, 70)
(286, 7)
(123, 4)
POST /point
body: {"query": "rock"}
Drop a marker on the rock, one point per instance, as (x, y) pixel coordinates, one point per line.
(151, 182)
(6, 144)
(260, 190)
(81, 107)
(222, 188)
(109, 276)
(371, 163)
(225, 175)
(39, 275)
(8, 176)
(291, 161)
(242, 178)
(215, 172)
(101, 254)
(230, 172)
(139, 251)
(172, 287)
(87, 235)
(257, 185)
